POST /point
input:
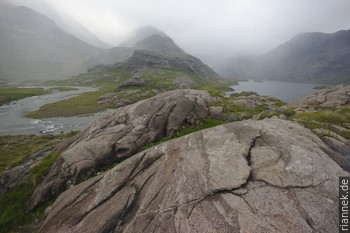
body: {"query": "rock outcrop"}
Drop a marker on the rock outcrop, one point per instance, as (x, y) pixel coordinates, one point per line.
(335, 133)
(121, 134)
(335, 97)
(20, 174)
(143, 59)
(252, 176)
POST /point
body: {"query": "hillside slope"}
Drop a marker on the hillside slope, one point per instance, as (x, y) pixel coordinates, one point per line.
(309, 57)
(63, 21)
(32, 46)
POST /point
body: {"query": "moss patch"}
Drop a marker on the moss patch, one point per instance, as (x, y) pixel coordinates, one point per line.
(15, 149)
(110, 78)
(63, 89)
(338, 117)
(9, 94)
(85, 103)
(12, 214)
(324, 118)
(11, 204)
(40, 170)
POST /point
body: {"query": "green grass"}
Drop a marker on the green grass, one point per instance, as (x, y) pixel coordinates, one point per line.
(230, 108)
(278, 102)
(216, 89)
(12, 214)
(15, 149)
(9, 94)
(111, 77)
(85, 103)
(38, 171)
(62, 89)
(100, 76)
(324, 118)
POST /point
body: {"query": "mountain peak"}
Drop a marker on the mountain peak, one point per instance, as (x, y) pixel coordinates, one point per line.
(142, 33)
(148, 31)
(162, 45)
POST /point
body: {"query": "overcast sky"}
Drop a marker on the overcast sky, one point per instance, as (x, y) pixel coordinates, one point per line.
(204, 27)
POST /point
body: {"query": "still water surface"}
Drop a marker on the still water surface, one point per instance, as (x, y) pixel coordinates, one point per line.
(285, 91)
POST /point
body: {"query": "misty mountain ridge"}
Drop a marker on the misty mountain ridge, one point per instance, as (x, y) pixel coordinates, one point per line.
(141, 34)
(171, 71)
(162, 45)
(308, 57)
(151, 39)
(64, 21)
(154, 54)
(34, 47)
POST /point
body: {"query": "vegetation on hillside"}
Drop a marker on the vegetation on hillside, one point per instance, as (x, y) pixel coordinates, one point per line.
(13, 151)
(9, 94)
(326, 119)
(83, 104)
(121, 86)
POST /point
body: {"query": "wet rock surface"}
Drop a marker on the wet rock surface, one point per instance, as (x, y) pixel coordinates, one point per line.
(271, 175)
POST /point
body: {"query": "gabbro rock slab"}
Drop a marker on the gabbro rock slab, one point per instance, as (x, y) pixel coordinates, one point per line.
(335, 97)
(120, 135)
(253, 176)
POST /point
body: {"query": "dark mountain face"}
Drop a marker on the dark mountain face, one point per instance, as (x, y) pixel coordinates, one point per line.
(141, 34)
(63, 21)
(186, 63)
(155, 47)
(309, 57)
(159, 44)
(33, 47)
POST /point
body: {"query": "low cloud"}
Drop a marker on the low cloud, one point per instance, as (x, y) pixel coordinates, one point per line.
(208, 28)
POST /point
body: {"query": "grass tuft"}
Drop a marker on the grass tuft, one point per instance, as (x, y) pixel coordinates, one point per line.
(326, 116)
